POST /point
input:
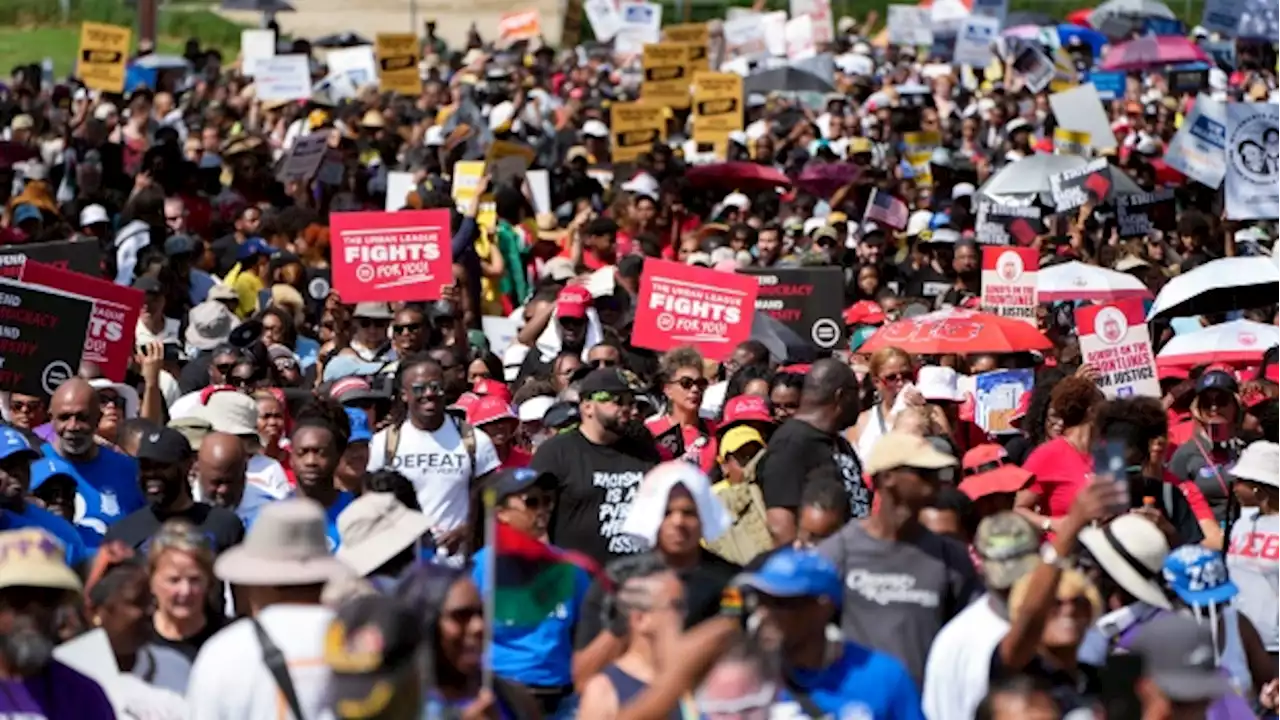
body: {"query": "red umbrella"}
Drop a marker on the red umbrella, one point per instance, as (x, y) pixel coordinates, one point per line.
(1080, 17)
(745, 176)
(1150, 51)
(958, 332)
(823, 179)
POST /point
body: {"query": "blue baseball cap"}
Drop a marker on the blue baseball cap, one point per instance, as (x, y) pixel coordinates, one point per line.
(359, 425)
(1217, 380)
(255, 246)
(25, 212)
(1198, 576)
(796, 573)
(13, 442)
(46, 468)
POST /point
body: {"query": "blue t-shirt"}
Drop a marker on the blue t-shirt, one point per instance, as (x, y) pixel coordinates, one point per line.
(541, 655)
(863, 683)
(38, 517)
(252, 502)
(106, 489)
(331, 518)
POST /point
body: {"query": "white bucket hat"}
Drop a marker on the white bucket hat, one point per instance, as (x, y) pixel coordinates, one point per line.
(650, 504)
(1260, 463)
(131, 402)
(376, 527)
(1131, 550)
(939, 383)
(287, 546)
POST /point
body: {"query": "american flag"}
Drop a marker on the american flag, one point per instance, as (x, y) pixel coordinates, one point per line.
(887, 209)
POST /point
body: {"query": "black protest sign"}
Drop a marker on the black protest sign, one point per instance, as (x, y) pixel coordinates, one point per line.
(82, 256)
(1140, 213)
(42, 334)
(998, 224)
(810, 301)
(1074, 188)
(1182, 82)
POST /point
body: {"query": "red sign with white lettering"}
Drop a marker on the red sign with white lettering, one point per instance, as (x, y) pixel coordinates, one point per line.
(685, 305)
(391, 257)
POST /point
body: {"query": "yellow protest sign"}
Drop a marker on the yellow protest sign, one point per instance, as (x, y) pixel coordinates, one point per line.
(698, 37)
(636, 127)
(398, 63)
(717, 109)
(920, 147)
(104, 51)
(666, 75)
(466, 180)
(1071, 142)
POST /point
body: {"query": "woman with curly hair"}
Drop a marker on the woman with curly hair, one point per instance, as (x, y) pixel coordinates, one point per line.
(1064, 464)
(681, 432)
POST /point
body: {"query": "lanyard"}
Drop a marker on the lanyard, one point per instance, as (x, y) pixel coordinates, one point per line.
(1212, 466)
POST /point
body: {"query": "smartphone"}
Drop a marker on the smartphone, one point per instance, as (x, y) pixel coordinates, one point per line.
(1117, 691)
(1109, 464)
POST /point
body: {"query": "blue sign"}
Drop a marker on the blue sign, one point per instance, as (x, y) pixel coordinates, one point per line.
(1163, 26)
(1110, 85)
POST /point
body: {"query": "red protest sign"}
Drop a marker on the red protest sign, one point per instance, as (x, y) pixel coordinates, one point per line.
(108, 340)
(1115, 340)
(391, 257)
(684, 305)
(1009, 282)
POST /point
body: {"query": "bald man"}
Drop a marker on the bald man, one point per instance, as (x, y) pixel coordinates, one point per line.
(222, 466)
(106, 481)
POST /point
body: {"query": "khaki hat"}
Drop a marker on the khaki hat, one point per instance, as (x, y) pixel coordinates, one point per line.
(230, 412)
(286, 546)
(22, 122)
(222, 292)
(376, 527)
(903, 450)
(373, 119)
(31, 557)
(1009, 546)
(194, 429)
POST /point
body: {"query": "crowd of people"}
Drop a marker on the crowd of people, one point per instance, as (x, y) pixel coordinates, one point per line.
(289, 506)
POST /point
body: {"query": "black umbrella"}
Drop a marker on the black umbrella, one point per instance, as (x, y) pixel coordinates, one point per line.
(342, 40)
(1029, 17)
(785, 79)
(257, 5)
(785, 346)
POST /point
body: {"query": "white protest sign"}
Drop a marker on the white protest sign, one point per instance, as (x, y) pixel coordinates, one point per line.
(997, 9)
(1035, 67)
(1222, 16)
(283, 78)
(604, 18)
(1199, 149)
(399, 185)
(304, 157)
(1253, 180)
(1114, 340)
(973, 42)
(1009, 282)
(775, 32)
(540, 188)
(255, 45)
(820, 11)
(1080, 109)
(357, 63)
(910, 25)
(800, 41)
(641, 25)
(744, 37)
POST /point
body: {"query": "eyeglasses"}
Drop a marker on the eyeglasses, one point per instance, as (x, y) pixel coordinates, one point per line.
(894, 378)
(598, 364)
(372, 322)
(111, 399)
(406, 328)
(25, 406)
(688, 383)
(225, 368)
(434, 388)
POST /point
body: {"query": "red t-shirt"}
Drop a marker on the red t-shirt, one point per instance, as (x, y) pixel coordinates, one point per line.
(516, 458)
(697, 440)
(1060, 471)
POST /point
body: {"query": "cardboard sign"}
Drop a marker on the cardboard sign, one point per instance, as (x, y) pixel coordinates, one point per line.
(283, 78)
(1110, 85)
(1035, 67)
(717, 109)
(685, 305)
(641, 24)
(698, 37)
(996, 397)
(1199, 148)
(519, 25)
(822, 21)
(1080, 109)
(104, 52)
(255, 45)
(391, 257)
(1185, 82)
(666, 75)
(636, 127)
(744, 37)
(1140, 213)
(1073, 188)
(997, 224)
(1009, 282)
(910, 25)
(399, 185)
(807, 300)
(604, 18)
(1070, 142)
(466, 181)
(1253, 179)
(78, 256)
(304, 158)
(42, 335)
(973, 42)
(398, 63)
(1222, 16)
(1114, 339)
(507, 161)
(108, 336)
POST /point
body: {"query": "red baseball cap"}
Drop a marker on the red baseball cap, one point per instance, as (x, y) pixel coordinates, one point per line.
(496, 388)
(987, 472)
(487, 409)
(864, 312)
(572, 302)
(743, 409)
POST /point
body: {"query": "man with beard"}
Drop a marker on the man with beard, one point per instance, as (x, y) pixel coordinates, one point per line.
(34, 584)
(16, 457)
(571, 327)
(598, 467)
(320, 437)
(106, 481)
(164, 461)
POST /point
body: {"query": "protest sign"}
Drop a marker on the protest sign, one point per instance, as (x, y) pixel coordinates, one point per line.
(1110, 85)
(519, 25)
(507, 161)
(698, 37)
(1186, 82)
(775, 34)
(807, 300)
(717, 109)
(1114, 339)
(282, 78)
(391, 257)
(604, 18)
(641, 22)
(80, 256)
(104, 52)
(399, 185)
(997, 224)
(1070, 142)
(666, 75)
(1222, 17)
(1259, 20)
(996, 398)
(1009, 282)
(1034, 66)
(1080, 109)
(636, 127)
(997, 9)
(357, 63)
(466, 181)
(973, 41)
(1222, 52)
(108, 336)
(822, 21)
(1160, 26)
(800, 41)
(398, 63)
(42, 334)
(686, 305)
(910, 25)
(1140, 213)
(255, 45)
(744, 37)
(304, 158)
(539, 190)
(1199, 148)
(1253, 179)
(1073, 188)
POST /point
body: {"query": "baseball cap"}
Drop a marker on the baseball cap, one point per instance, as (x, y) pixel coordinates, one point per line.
(744, 409)
(1009, 546)
(790, 572)
(864, 312)
(1177, 654)
(359, 422)
(902, 450)
(487, 409)
(987, 471)
(92, 215)
(254, 246)
(603, 380)
(595, 129)
(1260, 463)
(165, 445)
(179, 245)
(14, 443)
(44, 469)
(32, 557)
(370, 649)
(1217, 380)
(25, 212)
(535, 408)
(513, 481)
(376, 527)
(738, 438)
(1198, 576)
(572, 302)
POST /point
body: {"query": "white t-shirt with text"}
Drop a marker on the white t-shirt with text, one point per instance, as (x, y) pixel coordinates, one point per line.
(438, 465)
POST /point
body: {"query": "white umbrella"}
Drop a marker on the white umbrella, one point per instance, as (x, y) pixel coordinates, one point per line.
(1234, 283)
(1077, 281)
(1029, 178)
(1117, 17)
(1235, 342)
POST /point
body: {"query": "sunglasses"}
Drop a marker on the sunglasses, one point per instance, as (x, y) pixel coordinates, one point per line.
(598, 364)
(688, 383)
(623, 399)
(406, 329)
(241, 382)
(25, 406)
(427, 389)
(110, 399)
(327, 325)
(225, 368)
(894, 378)
(536, 502)
(372, 323)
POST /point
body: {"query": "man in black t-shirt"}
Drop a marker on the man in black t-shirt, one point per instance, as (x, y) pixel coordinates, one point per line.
(164, 460)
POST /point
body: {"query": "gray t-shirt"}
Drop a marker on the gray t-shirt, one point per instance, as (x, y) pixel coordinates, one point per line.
(898, 595)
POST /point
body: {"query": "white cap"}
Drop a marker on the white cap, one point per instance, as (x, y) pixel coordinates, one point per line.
(963, 189)
(501, 114)
(918, 222)
(945, 235)
(434, 136)
(812, 224)
(738, 136)
(535, 408)
(104, 111)
(861, 49)
(595, 129)
(1260, 463)
(642, 184)
(512, 358)
(1217, 78)
(1148, 146)
(1251, 234)
(936, 382)
(737, 200)
(93, 214)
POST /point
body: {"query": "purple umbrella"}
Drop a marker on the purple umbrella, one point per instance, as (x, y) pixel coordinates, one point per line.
(1150, 51)
(823, 179)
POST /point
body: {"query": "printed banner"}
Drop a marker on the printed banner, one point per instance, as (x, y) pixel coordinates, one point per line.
(304, 158)
(1222, 17)
(357, 64)
(1073, 188)
(666, 75)
(519, 25)
(466, 180)
(391, 257)
(910, 25)
(820, 13)
(807, 300)
(1110, 85)
(717, 109)
(42, 335)
(1253, 179)
(636, 127)
(1009, 282)
(641, 23)
(698, 37)
(997, 224)
(104, 52)
(283, 78)
(744, 37)
(685, 305)
(79, 256)
(1140, 213)
(398, 63)
(1070, 142)
(973, 42)
(799, 36)
(1114, 339)
(997, 396)
(1199, 148)
(604, 18)
(255, 44)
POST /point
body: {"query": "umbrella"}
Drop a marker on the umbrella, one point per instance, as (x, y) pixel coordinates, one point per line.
(746, 176)
(1234, 283)
(1151, 51)
(1078, 281)
(785, 345)
(1080, 17)
(342, 40)
(1086, 36)
(1239, 342)
(785, 79)
(1116, 18)
(958, 332)
(1025, 17)
(1028, 178)
(823, 179)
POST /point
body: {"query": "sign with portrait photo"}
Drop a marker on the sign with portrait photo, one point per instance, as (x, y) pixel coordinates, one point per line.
(1253, 179)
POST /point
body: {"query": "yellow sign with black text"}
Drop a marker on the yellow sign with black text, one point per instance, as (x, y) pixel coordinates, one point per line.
(698, 37)
(104, 52)
(1071, 142)
(717, 109)
(398, 63)
(666, 75)
(636, 127)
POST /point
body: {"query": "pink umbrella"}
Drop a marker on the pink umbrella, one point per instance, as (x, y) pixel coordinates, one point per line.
(1150, 50)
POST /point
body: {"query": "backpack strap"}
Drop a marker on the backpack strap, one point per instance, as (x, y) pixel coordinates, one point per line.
(393, 444)
(467, 432)
(274, 659)
(1167, 493)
